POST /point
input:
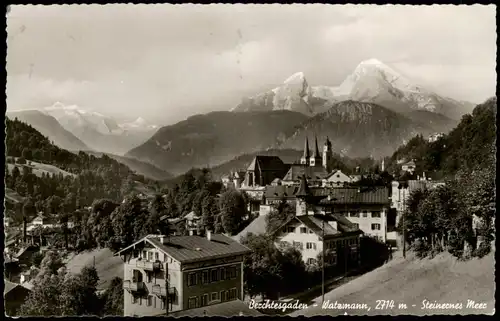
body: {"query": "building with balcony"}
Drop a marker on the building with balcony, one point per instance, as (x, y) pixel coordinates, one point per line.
(165, 274)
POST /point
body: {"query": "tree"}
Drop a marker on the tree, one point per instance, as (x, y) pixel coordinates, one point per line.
(262, 267)
(281, 213)
(232, 208)
(113, 298)
(209, 211)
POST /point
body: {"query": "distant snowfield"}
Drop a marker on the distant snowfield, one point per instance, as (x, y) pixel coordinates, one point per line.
(442, 279)
(40, 168)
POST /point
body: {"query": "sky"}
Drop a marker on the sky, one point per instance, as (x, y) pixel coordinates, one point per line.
(167, 62)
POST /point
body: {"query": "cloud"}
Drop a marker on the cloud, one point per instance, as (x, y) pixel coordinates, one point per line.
(166, 62)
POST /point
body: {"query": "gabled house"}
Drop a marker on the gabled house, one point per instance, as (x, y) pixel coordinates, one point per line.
(409, 167)
(336, 179)
(314, 174)
(14, 296)
(165, 274)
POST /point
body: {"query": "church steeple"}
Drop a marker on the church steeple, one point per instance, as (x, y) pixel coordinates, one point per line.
(327, 155)
(316, 158)
(305, 158)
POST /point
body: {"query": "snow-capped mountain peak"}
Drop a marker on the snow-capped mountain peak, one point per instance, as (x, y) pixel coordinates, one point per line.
(296, 78)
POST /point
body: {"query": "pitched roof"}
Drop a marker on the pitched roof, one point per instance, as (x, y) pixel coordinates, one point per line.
(296, 171)
(191, 215)
(267, 163)
(257, 226)
(410, 163)
(192, 248)
(379, 195)
(316, 149)
(226, 309)
(315, 223)
(280, 191)
(306, 149)
(9, 286)
(303, 188)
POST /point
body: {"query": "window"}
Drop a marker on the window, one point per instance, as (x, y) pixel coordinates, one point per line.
(154, 302)
(291, 229)
(298, 245)
(303, 230)
(149, 277)
(376, 214)
(223, 296)
(213, 297)
(204, 300)
(233, 272)
(144, 254)
(375, 226)
(222, 274)
(365, 213)
(311, 232)
(311, 246)
(149, 301)
(214, 277)
(157, 256)
(140, 300)
(232, 294)
(355, 214)
(192, 302)
(204, 279)
(311, 261)
(356, 225)
(283, 243)
(150, 256)
(191, 279)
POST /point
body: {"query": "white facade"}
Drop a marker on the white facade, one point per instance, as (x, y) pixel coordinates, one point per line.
(372, 222)
(336, 178)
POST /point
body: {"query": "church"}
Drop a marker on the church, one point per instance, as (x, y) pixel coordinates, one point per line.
(314, 167)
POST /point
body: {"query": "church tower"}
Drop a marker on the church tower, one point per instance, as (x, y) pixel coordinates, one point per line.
(305, 158)
(316, 157)
(327, 155)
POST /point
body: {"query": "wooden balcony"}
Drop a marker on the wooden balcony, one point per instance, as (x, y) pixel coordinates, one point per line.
(162, 291)
(149, 265)
(133, 286)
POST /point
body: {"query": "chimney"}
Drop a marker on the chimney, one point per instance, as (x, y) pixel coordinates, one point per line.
(209, 235)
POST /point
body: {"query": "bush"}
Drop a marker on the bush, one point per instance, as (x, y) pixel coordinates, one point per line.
(483, 250)
(422, 249)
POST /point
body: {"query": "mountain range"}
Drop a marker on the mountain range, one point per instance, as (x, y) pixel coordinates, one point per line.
(371, 81)
(99, 132)
(216, 137)
(372, 112)
(50, 127)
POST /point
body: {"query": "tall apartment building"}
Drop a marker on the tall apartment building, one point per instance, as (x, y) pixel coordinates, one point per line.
(164, 274)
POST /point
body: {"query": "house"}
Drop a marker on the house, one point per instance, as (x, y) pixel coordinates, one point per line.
(336, 179)
(312, 232)
(233, 179)
(401, 192)
(25, 254)
(46, 222)
(192, 221)
(276, 194)
(435, 137)
(366, 208)
(11, 266)
(14, 296)
(409, 167)
(164, 274)
(263, 170)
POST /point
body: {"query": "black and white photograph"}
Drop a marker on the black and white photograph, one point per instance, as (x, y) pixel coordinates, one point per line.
(258, 160)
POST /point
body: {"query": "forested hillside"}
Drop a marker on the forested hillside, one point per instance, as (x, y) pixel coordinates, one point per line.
(470, 145)
(57, 193)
